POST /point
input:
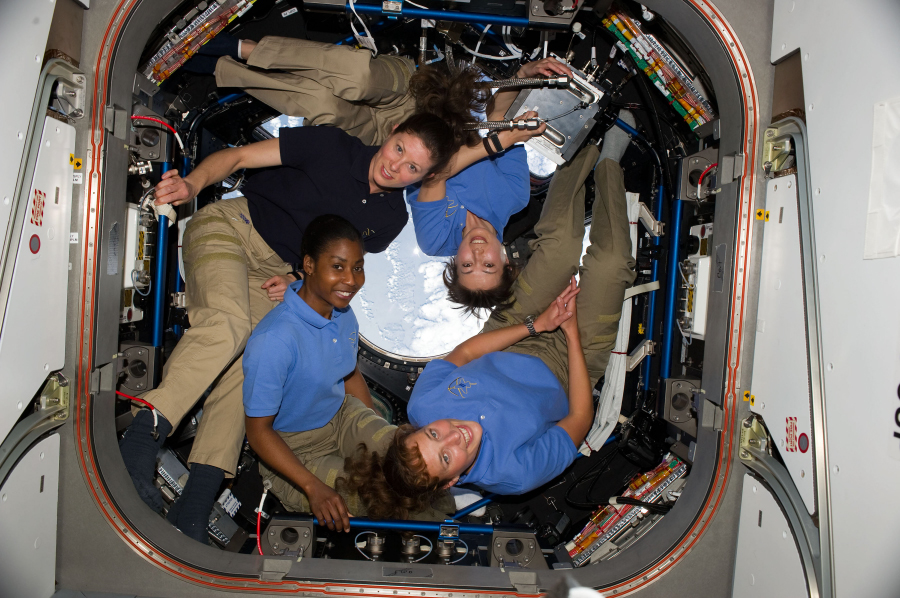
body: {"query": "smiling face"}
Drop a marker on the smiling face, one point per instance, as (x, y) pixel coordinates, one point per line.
(448, 447)
(480, 259)
(331, 280)
(401, 161)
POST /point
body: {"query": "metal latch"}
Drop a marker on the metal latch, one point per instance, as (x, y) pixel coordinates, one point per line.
(653, 226)
(645, 348)
(116, 121)
(754, 436)
(730, 168)
(55, 395)
(776, 151)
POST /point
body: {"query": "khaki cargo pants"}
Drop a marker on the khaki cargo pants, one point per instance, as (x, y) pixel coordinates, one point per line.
(323, 450)
(606, 273)
(226, 262)
(326, 84)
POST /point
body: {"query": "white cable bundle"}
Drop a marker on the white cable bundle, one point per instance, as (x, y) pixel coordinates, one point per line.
(366, 40)
(614, 381)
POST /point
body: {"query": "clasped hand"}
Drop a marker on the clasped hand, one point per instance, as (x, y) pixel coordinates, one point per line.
(562, 312)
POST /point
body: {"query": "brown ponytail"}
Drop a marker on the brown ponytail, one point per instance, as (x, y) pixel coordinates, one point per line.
(456, 99)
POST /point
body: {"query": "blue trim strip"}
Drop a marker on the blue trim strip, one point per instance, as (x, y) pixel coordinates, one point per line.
(415, 526)
(159, 272)
(159, 280)
(668, 331)
(474, 506)
(443, 15)
(230, 98)
(179, 281)
(654, 268)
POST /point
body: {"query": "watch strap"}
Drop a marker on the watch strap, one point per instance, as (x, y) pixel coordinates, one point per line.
(529, 323)
(495, 141)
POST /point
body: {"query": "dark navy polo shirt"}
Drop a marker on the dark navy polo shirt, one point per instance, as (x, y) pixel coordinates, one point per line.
(324, 171)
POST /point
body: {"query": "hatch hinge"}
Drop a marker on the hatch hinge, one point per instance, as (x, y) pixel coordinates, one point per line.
(274, 569)
(116, 121)
(525, 582)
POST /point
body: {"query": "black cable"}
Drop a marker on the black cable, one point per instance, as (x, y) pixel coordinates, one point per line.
(648, 100)
(644, 92)
(593, 474)
(658, 509)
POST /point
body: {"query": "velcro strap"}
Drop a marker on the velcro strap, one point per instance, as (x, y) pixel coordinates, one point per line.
(643, 288)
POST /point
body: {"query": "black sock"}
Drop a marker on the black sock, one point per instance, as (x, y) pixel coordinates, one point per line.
(191, 511)
(139, 448)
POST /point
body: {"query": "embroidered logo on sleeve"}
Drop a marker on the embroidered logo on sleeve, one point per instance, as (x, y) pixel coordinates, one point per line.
(452, 206)
(460, 387)
(354, 340)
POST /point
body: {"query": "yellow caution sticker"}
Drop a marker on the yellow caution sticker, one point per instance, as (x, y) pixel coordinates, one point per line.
(752, 400)
(767, 215)
(71, 158)
(640, 328)
(746, 395)
(77, 163)
(760, 214)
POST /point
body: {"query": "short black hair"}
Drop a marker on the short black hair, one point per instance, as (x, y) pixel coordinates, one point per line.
(499, 298)
(322, 231)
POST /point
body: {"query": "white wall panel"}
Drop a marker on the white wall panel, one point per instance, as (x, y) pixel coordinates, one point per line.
(24, 27)
(767, 564)
(32, 340)
(28, 502)
(780, 383)
(846, 51)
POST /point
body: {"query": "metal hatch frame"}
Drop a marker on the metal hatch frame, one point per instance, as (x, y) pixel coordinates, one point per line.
(115, 51)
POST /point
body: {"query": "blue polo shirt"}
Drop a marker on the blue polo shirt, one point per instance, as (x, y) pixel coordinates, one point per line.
(494, 189)
(517, 400)
(295, 364)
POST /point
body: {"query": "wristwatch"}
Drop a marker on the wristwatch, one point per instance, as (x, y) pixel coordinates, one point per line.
(529, 324)
(492, 143)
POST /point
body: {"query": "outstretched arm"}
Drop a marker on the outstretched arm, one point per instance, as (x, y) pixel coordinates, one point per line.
(546, 66)
(581, 404)
(326, 504)
(435, 188)
(216, 167)
(496, 340)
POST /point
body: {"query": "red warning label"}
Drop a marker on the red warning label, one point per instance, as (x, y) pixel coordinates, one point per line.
(790, 441)
(37, 208)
